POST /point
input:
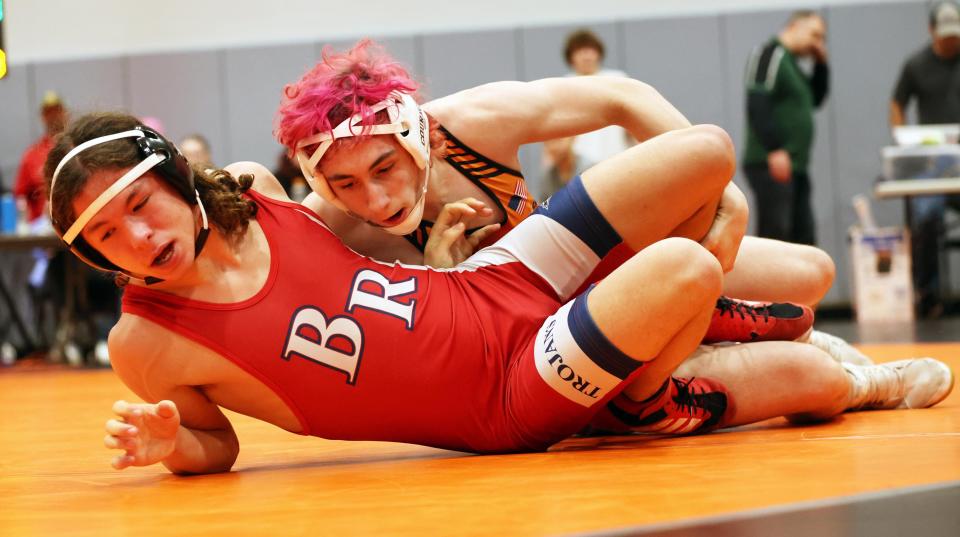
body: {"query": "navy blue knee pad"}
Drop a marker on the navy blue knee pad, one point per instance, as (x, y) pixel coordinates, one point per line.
(577, 360)
(596, 345)
(572, 208)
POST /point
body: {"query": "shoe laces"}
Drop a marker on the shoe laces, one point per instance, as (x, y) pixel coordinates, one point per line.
(885, 384)
(685, 397)
(737, 307)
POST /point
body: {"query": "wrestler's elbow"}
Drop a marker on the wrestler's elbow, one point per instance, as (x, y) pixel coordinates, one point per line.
(220, 464)
(203, 452)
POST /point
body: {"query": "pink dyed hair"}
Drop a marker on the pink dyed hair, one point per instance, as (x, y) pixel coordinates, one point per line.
(339, 86)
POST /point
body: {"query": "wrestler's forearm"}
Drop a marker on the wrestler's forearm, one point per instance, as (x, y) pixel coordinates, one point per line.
(645, 113)
(203, 452)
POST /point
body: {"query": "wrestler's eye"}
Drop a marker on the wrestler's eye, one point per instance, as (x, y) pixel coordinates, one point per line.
(107, 235)
(345, 185)
(385, 169)
(140, 205)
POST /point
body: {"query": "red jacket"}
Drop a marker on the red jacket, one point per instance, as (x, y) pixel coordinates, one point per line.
(30, 183)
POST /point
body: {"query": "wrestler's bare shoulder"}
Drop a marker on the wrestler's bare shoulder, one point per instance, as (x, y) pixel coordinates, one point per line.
(264, 181)
(485, 118)
(152, 359)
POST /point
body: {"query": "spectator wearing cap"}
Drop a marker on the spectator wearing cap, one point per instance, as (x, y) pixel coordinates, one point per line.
(931, 78)
(781, 100)
(29, 185)
(930, 75)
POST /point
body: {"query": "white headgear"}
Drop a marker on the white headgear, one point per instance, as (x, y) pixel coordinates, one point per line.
(159, 155)
(407, 122)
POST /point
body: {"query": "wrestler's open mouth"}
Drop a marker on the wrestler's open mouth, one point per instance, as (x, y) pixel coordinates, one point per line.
(164, 256)
(396, 218)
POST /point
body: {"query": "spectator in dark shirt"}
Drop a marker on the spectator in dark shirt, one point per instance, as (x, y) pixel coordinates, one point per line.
(931, 78)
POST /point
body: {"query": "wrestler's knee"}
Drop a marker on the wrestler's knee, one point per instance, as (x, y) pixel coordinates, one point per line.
(715, 144)
(685, 264)
(816, 270)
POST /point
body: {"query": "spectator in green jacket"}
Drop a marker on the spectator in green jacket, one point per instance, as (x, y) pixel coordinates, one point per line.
(781, 99)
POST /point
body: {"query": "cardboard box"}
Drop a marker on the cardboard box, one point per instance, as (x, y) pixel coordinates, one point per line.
(882, 280)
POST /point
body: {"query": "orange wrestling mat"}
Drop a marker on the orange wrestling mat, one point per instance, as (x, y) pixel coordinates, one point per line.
(55, 477)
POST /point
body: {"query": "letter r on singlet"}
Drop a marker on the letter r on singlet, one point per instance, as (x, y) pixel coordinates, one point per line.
(308, 320)
(385, 302)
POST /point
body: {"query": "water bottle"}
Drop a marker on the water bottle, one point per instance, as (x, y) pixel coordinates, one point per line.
(8, 214)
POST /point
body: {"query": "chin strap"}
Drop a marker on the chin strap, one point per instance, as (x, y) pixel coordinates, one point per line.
(412, 221)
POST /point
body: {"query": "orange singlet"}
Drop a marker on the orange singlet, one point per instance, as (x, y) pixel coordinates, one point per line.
(503, 184)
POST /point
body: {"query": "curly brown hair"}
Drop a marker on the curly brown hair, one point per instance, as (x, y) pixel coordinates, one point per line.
(579, 39)
(220, 192)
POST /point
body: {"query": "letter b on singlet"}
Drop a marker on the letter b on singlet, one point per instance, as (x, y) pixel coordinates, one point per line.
(337, 343)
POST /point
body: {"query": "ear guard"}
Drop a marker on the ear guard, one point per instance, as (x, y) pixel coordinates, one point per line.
(159, 155)
(407, 122)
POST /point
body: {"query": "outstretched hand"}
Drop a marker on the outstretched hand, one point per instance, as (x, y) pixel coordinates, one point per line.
(146, 433)
(448, 244)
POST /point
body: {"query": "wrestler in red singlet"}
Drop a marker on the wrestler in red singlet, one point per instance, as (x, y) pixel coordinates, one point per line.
(363, 350)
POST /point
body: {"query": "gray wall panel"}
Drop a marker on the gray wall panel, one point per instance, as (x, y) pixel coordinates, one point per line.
(453, 62)
(828, 202)
(86, 85)
(867, 46)
(407, 51)
(16, 116)
(542, 49)
(681, 58)
(254, 80)
(185, 91)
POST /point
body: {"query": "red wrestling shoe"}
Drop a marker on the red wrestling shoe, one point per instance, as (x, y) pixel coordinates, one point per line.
(680, 407)
(742, 321)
